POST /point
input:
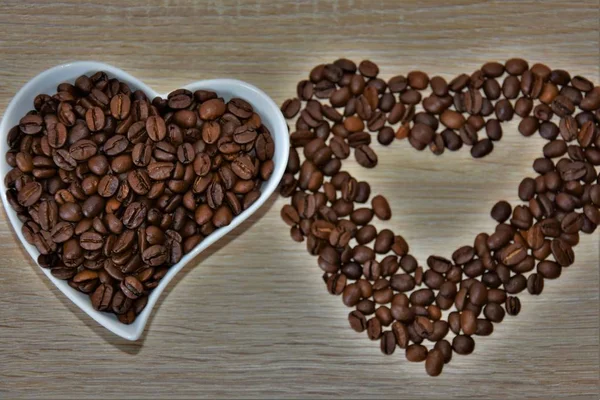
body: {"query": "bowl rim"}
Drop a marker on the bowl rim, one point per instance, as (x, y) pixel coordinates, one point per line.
(277, 126)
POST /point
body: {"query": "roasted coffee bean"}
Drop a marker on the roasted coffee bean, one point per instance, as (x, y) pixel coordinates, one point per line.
(70, 212)
(562, 106)
(468, 135)
(365, 156)
(562, 252)
(102, 297)
(494, 312)
(384, 315)
(351, 295)
(362, 254)
(452, 119)
(91, 241)
(463, 344)
(358, 138)
(384, 241)
(120, 303)
(416, 353)
(131, 287)
(422, 134)
(290, 215)
(61, 232)
(120, 106)
(513, 254)
(468, 322)
(516, 284)
(31, 124)
(423, 326)
(513, 305)
(290, 108)
(95, 119)
(526, 189)
(336, 284)
(452, 141)
(478, 293)
(463, 255)
(535, 284)
(572, 222)
(155, 255)
(157, 129)
(211, 109)
(381, 208)
(482, 148)
(388, 343)
(374, 329)
(422, 297)
(439, 264)
(30, 194)
(362, 216)
(357, 321)
(366, 234)
(402, 282)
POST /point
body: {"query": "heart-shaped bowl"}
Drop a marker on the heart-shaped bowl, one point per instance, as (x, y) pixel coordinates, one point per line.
(47, 81)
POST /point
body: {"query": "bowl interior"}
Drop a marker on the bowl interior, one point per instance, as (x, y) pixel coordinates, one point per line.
(47, 81)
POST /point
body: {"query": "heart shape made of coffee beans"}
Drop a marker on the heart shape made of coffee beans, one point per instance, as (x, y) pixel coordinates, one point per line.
(396, 300)
(113, 188)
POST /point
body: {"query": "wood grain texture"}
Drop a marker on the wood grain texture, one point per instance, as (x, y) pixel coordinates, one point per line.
(251, 317)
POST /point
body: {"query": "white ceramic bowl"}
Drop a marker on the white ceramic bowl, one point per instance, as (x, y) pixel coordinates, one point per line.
(47, 81)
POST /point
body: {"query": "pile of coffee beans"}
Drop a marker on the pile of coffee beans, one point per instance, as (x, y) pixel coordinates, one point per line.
(114, 188)
(434, 311)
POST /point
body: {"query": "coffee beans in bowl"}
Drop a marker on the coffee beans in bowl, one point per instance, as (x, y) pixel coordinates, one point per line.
(114, 186)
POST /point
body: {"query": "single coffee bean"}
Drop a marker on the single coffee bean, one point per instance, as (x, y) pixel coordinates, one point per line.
(365, 156)
(512, 305)
(535, 284)
(549, 269)
(516, 284)
(468, 135)
(482, 148)
(131, 287)
(388, 343)
(91, 241)
(527, 189)
(156, 128)
(357, 321)
(102, 297)
(416, 353)
(120, 303)
(484, 327)
(562, 252)
(115, 145)
(155, 255)
(351, 295)
(422, 134)
(494, 312)
(468, 322)
(381, 208)
(290, 108)
(374, 329)
(463, 255)
(120, 106)
(95, 119)
(463, 344)
(29, 194)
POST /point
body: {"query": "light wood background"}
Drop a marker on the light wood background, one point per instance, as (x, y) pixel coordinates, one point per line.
(252, 318)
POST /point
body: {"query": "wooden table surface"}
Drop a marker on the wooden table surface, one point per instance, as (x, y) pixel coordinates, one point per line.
(251, 317)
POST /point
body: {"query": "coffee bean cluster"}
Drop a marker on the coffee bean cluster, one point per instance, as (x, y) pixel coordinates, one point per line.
(114, 188)
(434, 311)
